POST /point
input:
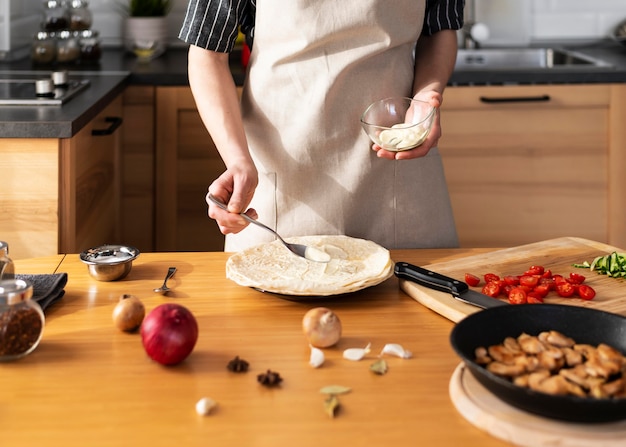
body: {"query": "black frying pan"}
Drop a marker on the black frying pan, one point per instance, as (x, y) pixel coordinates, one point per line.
(584, 325)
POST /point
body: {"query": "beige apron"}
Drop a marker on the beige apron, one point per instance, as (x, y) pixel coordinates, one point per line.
(314, 68)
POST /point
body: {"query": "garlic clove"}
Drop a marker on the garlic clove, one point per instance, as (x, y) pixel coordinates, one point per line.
(205, 405)
(356, 354)
(317, 357)
(397, 350)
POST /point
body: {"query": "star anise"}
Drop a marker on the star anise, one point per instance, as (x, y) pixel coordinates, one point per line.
(238, 365)
(269, 378)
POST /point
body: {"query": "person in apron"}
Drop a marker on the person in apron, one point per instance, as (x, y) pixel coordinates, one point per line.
(297, 157)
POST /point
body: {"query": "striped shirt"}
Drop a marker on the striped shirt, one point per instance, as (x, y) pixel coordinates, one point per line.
(214, 24)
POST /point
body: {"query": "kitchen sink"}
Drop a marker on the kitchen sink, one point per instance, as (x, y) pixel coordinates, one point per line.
(524, 59)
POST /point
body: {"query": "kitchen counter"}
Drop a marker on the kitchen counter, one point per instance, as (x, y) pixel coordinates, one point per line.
(89, 384)
(118, 69)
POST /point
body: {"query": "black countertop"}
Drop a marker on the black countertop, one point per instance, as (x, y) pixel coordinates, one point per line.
(118, 69)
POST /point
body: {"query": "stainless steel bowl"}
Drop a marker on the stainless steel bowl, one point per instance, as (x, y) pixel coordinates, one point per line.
(109, 262)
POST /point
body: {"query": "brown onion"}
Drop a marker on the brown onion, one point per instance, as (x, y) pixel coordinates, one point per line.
(169, 333)
(321, 327)
(128, 313)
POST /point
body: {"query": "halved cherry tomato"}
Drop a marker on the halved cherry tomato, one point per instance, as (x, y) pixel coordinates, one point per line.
(533, 298)
(548, 282)
(586, 292)
(547, 274)
(517, 295)
(492, 289)
(472, 280)
(511, 280)
(535, 270)
(541, 290)
(576, 278)
(491, 277)
(558, 279)
(529, 281)
(565, 289)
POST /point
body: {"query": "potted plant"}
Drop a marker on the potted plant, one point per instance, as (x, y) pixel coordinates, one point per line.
(145, 27)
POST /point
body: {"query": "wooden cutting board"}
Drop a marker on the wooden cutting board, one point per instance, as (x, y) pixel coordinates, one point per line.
(494, 416)
(555, 254)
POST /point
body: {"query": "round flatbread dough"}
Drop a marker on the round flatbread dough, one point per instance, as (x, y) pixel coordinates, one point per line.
(355, 264)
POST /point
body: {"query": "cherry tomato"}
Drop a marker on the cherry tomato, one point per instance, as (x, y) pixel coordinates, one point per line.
(517, 295)
(558, 279)
(565, 289)
(491, 277)
(529, 281)
(472, 280)
(586, 292)
(541, 290)
(492, 289)
(512, 280)
(548, 282)
(547, 274)
(576, 278)
(533, 298)
(535, 270)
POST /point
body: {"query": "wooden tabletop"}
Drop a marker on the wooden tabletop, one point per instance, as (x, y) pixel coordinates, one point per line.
(88, 384)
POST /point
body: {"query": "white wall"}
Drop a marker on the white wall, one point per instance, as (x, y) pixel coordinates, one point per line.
(549, 19)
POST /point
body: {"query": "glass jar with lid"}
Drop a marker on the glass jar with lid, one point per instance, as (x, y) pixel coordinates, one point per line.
(43, 48)
(21, 320)
(89, 41)
(56, 15)
(68, 50)
(80, 15)
(7, 269)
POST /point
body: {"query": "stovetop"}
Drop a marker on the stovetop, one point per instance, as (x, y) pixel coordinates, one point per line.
(21, 91)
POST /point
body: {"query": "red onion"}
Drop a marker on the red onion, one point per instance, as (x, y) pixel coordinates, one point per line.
(169, 333)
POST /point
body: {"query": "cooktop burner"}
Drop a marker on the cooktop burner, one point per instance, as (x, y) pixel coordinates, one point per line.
(40, 91)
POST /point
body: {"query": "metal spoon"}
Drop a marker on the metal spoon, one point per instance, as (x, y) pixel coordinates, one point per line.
(304, 251)
(164, 289)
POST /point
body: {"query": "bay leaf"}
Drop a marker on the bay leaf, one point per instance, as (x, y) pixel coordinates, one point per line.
(335, 389)
(379, 367)
(331, 404)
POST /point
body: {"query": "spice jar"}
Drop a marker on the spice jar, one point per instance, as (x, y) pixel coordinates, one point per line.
(7, 269)
(56, 16)
(80, 15)
(43, 48)
(68, 50)
(90, 50)
(21, 320)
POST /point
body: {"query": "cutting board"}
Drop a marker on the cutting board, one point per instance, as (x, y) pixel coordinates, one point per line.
(494, 416)
(555, 254)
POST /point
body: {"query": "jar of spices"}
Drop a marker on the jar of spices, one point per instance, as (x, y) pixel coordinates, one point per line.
(89, 41)
(56, 16)
(68, 50)
(7, 269)
(43, 48)
(80, 15)
(21, 320)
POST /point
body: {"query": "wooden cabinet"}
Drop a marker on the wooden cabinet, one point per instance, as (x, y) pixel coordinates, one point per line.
(89, 185)
(137, 168)
(61, 195)
(186, 164)
(526, 163)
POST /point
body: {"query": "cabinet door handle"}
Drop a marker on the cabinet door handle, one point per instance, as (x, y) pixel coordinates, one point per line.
(115, 123)
(541, 98)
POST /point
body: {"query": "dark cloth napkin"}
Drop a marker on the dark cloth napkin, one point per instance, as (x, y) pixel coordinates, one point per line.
(47, 289)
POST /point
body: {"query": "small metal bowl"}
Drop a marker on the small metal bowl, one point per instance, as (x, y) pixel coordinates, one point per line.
(109, 262)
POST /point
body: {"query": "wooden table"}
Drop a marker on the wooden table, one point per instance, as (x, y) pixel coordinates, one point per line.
(88, 384)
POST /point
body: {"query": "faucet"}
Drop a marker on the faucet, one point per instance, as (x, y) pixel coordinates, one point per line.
(473, 32)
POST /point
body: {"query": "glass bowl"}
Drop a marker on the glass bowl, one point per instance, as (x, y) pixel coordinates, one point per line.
(398, 123)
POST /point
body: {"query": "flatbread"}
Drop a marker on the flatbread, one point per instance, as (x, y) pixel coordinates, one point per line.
(355, 264)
